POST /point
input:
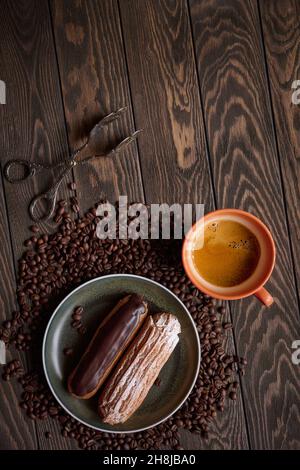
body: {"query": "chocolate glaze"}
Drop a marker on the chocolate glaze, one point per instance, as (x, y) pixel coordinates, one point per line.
(105, 346)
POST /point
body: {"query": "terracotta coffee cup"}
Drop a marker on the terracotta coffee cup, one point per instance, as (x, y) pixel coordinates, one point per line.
(254, 284)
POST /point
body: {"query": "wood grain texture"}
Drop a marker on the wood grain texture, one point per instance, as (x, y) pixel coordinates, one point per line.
(281, 33)
(166, 102)
(246, 175)
(228, 430)
(145, 59)
(164, 87)
(32, 124)
(94, 83)
(16, 432)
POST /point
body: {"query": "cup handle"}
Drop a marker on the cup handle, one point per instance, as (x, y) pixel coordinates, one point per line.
(263, 295)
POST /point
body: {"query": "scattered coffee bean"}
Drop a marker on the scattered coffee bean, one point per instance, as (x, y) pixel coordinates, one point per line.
(234, 386)
(76, 320)
(74, 200)
(12, 369)
(78, 310)
(82, 330)
(48, 435)
(75, 208)
(222, 310)
(60, 210)
(57, 219)
(68, 351)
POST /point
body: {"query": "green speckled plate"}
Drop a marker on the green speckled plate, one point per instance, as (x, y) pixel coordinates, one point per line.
(98, 296)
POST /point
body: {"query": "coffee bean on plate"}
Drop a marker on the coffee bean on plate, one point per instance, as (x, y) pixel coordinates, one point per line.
(68, 351)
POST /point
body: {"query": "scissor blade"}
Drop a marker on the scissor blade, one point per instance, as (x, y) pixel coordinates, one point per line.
(128, 140)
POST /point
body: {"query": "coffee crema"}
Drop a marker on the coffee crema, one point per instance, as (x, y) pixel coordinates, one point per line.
(229, 255)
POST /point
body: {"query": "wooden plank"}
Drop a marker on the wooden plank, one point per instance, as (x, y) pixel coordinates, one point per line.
(94, 83)
(32, 122)
(166, 104)
(281, 28)
(246, 175)
(16, 432)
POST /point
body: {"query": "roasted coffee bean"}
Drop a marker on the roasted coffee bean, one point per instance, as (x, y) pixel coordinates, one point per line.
(75, 208)
(60, 211)
(34, 228)
(82, 330)
(78, 310)
(76, 320)
(53, 411)
(12, 369)
(68, 351)
(57, 219)
(222, 310)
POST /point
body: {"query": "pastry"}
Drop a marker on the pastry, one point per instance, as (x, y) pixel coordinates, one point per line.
(138, 368)
(108, 343)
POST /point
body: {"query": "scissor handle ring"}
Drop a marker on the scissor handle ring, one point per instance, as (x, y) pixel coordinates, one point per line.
(50, 199)
(30, 170)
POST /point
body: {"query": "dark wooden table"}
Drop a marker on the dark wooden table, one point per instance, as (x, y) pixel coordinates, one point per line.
(210, 82)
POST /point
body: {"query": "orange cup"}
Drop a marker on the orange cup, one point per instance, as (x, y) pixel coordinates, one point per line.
(255, 283)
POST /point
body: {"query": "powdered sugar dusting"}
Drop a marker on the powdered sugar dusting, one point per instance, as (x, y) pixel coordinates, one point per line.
(139, 368)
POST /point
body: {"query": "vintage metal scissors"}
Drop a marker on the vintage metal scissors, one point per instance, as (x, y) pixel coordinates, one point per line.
(31, 168)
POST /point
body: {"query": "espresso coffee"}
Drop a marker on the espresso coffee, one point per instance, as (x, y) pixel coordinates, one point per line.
(229, 255)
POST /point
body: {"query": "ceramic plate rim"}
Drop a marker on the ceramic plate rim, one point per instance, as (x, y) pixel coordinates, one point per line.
(44, 355)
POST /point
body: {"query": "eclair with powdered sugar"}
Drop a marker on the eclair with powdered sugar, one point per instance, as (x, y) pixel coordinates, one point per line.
(138, 368)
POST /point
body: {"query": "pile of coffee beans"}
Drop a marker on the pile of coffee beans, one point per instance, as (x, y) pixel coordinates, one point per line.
(12, 369)
(55, 264)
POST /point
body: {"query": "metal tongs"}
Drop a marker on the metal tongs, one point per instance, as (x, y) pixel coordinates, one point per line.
(32, 168)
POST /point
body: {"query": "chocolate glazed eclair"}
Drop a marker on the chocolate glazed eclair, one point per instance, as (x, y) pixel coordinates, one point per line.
(108, 343)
